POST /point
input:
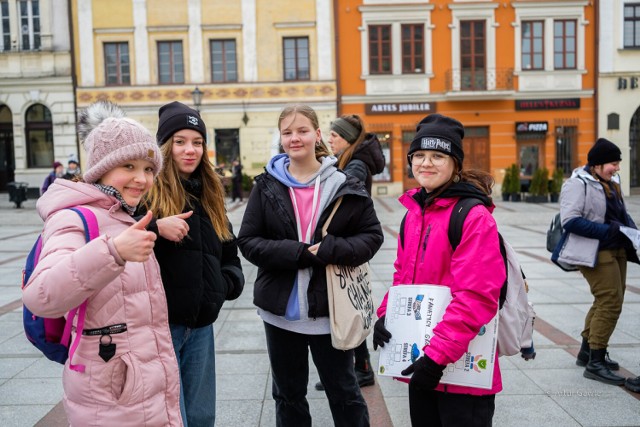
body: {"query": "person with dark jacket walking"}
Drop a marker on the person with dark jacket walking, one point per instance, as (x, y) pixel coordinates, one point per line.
(281, 234)
(236, 180)
(592, 210)
(197, 253)
(359, 154)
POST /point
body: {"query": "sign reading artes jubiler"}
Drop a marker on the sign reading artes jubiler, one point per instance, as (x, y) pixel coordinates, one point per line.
(532, 127)
(400, 108)
(548, 104)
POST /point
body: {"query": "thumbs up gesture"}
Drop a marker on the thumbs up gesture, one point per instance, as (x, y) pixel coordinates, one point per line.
(174, 227)
(136, 243)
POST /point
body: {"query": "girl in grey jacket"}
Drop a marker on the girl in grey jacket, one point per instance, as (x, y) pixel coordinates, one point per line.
(592, 210)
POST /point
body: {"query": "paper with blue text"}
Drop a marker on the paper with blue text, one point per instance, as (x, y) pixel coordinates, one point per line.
(413, 311)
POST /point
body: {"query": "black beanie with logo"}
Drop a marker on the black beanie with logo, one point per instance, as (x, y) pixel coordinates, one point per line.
(176, 116)
(603, 151)
(439, 133)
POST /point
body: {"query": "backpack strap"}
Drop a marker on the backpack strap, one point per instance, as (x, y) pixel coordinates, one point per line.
(456, 221)
(404, 218)
(91, 231)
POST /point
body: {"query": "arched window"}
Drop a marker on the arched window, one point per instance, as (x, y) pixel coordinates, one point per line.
(39, 137)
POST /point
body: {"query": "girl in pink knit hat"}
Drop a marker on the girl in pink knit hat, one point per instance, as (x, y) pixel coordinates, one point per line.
(124, 371)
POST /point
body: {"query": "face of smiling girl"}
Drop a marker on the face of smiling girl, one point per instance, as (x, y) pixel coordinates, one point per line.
(186, 150)
(298, 137)
(132, 179)
(431, 168)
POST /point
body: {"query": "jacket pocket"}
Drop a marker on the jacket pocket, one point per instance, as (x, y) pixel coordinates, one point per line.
(123, 381)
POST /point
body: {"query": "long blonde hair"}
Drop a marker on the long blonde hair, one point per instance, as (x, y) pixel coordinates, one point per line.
(321, 149)
(167, 197)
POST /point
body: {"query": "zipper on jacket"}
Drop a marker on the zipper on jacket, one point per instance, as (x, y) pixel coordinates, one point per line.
(107, 330)
(424, 242)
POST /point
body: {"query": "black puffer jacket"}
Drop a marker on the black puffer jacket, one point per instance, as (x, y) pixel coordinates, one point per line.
(268, 238)
(201, 272)
(367, 160)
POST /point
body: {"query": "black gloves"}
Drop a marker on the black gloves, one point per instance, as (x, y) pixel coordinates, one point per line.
(426, 373)
(380, 334)
(307, 259)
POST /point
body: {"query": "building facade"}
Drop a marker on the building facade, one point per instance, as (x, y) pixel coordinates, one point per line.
(518, 74)
(246, 58)
(619, 84)
(37, 113)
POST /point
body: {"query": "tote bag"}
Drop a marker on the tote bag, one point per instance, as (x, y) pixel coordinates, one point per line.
(350, 300)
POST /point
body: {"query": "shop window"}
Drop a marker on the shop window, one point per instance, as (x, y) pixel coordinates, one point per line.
(380, 49)
(566, 140)
(385, 143)
(632, 25)
(532, 45)
(117, 69)
(170, 62)
(564, 44)
(227, 146)
(296, 58)
(39, 137)
(412, 48)
(223, 61)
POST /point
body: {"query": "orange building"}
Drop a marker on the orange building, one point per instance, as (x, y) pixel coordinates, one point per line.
(520, 75)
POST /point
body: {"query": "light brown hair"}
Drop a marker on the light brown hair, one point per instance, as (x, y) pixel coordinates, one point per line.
(321, 149)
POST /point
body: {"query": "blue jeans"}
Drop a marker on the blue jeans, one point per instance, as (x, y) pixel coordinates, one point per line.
(195, 351)
(289, 357)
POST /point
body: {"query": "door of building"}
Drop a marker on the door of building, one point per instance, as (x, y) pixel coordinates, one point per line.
(7, 158)
(476, 148)
(472, 55)
(227, 147)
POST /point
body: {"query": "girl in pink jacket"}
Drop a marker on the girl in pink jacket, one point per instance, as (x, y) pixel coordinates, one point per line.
(130, 375)
(474, 273)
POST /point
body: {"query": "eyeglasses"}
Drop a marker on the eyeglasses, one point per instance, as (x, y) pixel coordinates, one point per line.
(436, 158)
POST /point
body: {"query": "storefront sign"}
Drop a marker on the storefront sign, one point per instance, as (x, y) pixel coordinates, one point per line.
(627, 83)
(400, 108)
(547, 104)
(532, 127)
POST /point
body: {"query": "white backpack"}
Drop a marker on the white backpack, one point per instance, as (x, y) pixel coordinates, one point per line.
(516, 315)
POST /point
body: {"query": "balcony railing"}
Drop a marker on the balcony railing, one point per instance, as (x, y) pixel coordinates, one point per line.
(493, 79)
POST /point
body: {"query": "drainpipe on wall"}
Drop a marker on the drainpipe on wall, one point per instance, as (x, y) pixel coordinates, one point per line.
(337, 58)
(74, 78)
(596, 23)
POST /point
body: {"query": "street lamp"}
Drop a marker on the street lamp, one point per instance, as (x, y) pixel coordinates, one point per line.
(197, 98)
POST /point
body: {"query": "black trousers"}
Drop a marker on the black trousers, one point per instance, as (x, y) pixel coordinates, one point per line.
(289, 357)
(437, 409)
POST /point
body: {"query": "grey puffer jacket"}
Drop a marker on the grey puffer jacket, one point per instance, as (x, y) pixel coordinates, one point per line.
(584, 197)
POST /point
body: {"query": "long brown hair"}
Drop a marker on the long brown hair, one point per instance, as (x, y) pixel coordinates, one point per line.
(321, 149)
(167, 197)
(480, 179)
(607, 188)
(345, 157)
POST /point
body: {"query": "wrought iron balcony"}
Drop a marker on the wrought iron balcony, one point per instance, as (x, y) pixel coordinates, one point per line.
(482, 80)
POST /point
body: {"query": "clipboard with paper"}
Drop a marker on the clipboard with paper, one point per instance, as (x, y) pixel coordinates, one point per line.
(413, 311)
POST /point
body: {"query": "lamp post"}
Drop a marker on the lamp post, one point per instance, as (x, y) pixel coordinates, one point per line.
(197, 98)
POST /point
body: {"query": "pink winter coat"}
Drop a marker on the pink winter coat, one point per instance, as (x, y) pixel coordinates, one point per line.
(140, 385)
(474, 274)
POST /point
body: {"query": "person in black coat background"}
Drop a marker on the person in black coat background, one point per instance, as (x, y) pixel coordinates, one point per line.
(281, 234)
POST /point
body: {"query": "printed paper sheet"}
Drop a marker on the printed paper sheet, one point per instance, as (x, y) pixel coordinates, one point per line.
(412, 313)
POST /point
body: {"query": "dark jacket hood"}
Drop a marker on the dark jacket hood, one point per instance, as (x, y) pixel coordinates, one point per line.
(370, 152)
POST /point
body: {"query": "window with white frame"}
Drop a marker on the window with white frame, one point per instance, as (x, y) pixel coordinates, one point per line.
(170, 62)
(117, 68)
(296, 58)
(5, 33)
(564, 44)
(632, 25)
(223, 61)
(412, 48)
(533, 45)
(29, 11)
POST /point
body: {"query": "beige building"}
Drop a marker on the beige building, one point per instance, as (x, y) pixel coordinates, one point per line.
(247, 58)
(619, 84)
(37, 114)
